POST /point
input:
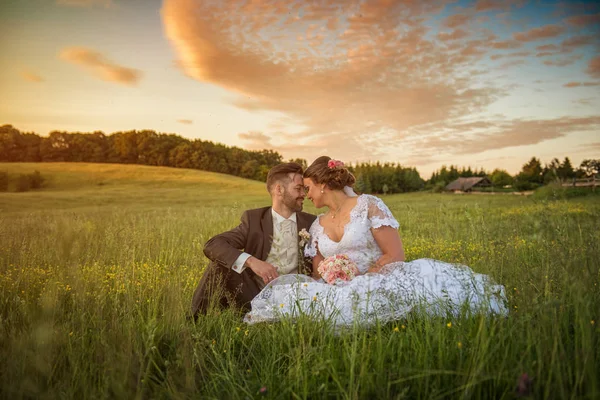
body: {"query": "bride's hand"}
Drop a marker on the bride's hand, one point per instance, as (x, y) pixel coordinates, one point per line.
(375, 268)
(263, 269)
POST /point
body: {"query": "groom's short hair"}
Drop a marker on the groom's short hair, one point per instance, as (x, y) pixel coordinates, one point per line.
(281, 173)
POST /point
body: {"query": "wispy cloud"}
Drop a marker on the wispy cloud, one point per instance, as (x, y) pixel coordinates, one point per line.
(585, 101)
(256, 140)
(579, 84)
(494, 135)
(543, 32)
(584, 20)
(563, 62)
(593, 68)
(31, 76)
(101, 66)
(185, 121)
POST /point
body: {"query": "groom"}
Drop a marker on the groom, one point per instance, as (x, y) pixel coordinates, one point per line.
(264, 246)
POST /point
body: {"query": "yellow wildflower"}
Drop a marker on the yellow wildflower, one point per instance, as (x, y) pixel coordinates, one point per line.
(449, 324)
(396, 329)
(459, 345)
(281, 305)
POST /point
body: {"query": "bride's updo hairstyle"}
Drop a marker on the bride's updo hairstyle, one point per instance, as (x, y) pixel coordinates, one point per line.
(330, 172)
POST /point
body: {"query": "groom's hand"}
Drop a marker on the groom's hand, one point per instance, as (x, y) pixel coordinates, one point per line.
(263, 269)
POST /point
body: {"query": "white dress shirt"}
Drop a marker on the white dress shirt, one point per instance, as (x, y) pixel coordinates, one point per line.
(284, 249)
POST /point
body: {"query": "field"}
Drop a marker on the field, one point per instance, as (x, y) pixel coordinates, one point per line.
(97, 272)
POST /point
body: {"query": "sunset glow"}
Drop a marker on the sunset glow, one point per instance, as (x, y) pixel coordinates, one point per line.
(487, 83)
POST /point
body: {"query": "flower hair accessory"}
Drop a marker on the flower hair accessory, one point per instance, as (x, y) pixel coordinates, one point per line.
(335, 164)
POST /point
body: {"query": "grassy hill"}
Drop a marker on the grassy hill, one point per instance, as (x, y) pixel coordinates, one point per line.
(97, 272)
(75, 185)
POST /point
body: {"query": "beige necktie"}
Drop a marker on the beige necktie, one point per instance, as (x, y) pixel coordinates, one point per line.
(287, 229)
(288, 241)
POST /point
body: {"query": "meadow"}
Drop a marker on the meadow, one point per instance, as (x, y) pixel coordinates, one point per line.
(97, 272)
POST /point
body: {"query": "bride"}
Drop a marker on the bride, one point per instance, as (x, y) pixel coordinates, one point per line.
(385, 287)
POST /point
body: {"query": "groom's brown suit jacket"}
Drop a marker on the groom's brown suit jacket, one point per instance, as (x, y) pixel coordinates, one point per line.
(220, 285)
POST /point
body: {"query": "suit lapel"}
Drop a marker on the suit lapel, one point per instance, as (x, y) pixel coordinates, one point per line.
(300, 223)
(303, 222)
(266, 224)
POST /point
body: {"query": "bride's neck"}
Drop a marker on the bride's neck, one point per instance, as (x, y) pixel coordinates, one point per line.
(336, 201)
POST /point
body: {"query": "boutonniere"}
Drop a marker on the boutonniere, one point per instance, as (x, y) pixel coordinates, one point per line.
(303, 240)
(304, 237)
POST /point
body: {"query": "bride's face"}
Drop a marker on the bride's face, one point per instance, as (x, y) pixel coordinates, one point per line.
(313, 192)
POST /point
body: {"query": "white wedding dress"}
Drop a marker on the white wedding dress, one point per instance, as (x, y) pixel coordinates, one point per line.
(424, 285)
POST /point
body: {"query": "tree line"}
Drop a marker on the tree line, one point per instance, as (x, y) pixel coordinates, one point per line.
(533, 174)
(135, 147)
(385, 178)
(148, 147)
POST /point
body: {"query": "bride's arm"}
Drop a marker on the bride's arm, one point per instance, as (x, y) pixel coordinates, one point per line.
(389, 242)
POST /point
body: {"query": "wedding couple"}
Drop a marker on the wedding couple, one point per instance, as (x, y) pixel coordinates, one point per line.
(269, 265)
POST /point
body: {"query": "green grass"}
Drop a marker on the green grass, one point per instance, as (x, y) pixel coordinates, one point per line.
(97, 271)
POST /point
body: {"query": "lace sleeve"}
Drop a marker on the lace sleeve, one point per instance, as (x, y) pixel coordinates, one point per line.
(380, 215)
(311, 247)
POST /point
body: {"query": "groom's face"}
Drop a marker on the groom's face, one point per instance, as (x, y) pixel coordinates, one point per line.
(293, 193)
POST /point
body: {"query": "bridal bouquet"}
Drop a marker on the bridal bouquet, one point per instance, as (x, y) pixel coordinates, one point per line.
(338, 266)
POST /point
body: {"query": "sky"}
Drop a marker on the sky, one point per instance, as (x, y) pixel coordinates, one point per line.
(484, 83)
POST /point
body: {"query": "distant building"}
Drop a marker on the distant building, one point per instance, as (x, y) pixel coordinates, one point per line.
(467, 184)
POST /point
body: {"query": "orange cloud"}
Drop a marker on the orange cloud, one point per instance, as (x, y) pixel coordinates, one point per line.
(584, 20)
(367, 76)
(547, 47)
(578, 41)
(563, 62)
(256, 140)
(505, 44)
(31, 76)
(578, 84)
(185, 121)
(504, 134)
(511, 55)
(454, 35)
(512, 64)
(456, 20)
(488, 5)
(594, 67)
(543, 32)
(566, 46)
(100, 66)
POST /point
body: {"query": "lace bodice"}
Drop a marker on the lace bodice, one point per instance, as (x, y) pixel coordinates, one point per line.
(357, 242)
